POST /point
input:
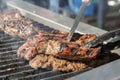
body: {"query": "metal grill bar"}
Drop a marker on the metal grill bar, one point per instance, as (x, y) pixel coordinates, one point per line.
(10, 40)
(40, 75)
(8, 52)
(8, 56)
(11, 65)
(5, 37)
(3, 62)
(21, 74)
(13, 70)
(12, 43)
(64, 76)
(8, 48)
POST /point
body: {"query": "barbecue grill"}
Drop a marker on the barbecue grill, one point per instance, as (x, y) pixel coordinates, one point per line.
(14, 68)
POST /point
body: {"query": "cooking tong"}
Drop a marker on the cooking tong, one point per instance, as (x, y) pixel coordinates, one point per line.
(109, 37)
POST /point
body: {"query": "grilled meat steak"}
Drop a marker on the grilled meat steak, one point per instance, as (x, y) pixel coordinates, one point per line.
(11, 14)
(13, 23)
(85, 39)
(70, 50)
(22, 28)
(38, 44)
(8, 16)
(44, 61)
(56, 45)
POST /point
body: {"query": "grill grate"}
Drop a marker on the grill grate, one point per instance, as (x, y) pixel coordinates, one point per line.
(13, 68)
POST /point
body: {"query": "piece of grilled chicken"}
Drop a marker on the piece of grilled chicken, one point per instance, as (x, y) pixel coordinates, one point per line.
(58, 45)
(70, 50)
(13, 23)
(38, 44)
(45, 61)
(54, 63)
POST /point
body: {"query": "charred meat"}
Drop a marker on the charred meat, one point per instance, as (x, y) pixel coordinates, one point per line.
(13, 23)
(70, 51)
(56, 45)
(22, 28)
(44, 61)
(38, 44)
(11, 14)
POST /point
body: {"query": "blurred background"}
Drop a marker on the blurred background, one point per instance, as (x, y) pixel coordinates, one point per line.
(104, 14)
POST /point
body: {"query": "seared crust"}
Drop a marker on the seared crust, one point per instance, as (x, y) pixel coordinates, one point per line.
(39, 43)
(71, 51)
(57, 45)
